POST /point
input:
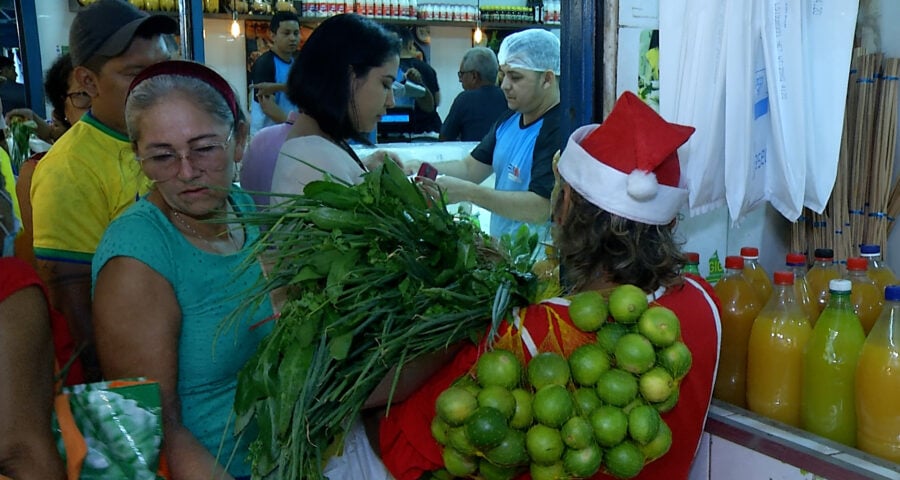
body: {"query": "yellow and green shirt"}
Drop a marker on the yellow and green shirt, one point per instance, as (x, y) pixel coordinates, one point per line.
(86, 180)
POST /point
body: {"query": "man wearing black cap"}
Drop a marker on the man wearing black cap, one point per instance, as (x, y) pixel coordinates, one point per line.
(90, 175)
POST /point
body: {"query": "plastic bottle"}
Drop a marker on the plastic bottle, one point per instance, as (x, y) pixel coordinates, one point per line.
(740, 306)
(796, 263)
(878, 383)
(866, 298)
(693, 263)
(823, 271)
(878, 270)
(829, 369)
(756, 274)
(775, 354)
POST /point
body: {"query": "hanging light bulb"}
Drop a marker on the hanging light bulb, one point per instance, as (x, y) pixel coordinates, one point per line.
(478, 36)
(235, 26)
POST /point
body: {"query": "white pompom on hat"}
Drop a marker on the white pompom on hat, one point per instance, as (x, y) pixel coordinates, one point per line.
(629, 165)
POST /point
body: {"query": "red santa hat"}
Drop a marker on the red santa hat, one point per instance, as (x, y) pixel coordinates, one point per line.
(628, 166)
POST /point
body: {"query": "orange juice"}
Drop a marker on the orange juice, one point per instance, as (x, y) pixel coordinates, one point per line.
(822, 272)
(740, 306)
(865, 296)
(878, 383)
(796, 263)
(755, 273)
(878, 271)
(775, 355)
(828, 398)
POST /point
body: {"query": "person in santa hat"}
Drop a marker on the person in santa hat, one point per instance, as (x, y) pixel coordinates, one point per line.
(614, 212)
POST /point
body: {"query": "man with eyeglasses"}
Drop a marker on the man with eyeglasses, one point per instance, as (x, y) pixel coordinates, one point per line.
(90, 175)
(480, 103)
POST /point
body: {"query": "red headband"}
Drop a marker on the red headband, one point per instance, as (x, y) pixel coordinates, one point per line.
(193, 70)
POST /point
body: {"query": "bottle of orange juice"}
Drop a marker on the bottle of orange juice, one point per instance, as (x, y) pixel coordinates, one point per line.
(866, 298)
(755, 273)
(796, 264)
(775, 354)
(693, 263)
(740, 306)
(878, 270)
(828, 397)
(823, 271)
(878, 383)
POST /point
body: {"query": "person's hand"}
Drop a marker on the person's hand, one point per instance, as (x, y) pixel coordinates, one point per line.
(414, 76)
(455, 190)
(377, 158)
(268, 106)
(267, 88)
(411, 167)
(24, 113)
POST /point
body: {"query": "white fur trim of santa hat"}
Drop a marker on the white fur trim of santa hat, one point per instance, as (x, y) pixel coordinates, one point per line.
(636, 196)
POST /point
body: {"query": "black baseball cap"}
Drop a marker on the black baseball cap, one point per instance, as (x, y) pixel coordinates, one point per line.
(107, 28)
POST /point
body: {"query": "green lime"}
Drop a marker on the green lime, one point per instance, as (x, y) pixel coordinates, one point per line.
(553, 471)
(486, 427)
(490, 471)
(583, 463)
(669, 403)
(459, 464)
(498, 368)
(459, 440)
(498, 397)
(609, 335)
(577, 433)
(510, 451)
(635, 353)
(439, 430)
(552, 405)
(660, 325)
(676, 358)
(617, 387)
(624, 460)
(544, 444)
(586, 401)
(587, 363)
(588, 310)
(523, 416)
(660, 444)
(455, 404)
(610, 425)
(627, 303)
(548, 368)
(656, 385)
(643, 424)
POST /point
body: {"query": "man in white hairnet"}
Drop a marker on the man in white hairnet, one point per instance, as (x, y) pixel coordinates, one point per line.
(519, 147)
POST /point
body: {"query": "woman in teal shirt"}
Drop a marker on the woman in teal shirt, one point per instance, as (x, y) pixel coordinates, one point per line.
(166, 277)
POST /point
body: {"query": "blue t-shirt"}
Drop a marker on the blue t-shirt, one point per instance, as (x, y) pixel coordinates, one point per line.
(522, 159)
(208, 287)
(269, 68)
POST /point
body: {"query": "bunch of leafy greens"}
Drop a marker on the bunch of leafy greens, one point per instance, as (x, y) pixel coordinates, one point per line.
(375, 275)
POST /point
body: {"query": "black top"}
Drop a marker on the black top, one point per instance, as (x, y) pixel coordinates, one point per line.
(420, 121)
(472, 114)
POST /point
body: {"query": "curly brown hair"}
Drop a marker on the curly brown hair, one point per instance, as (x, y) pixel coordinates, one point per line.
(595, 245)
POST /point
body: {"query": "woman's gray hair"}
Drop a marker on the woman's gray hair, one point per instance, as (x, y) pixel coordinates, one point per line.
(155, 90)
(482, 60)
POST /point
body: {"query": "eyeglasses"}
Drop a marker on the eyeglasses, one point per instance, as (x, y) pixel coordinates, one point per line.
(79, 99)
(163, 165)
(460, 73)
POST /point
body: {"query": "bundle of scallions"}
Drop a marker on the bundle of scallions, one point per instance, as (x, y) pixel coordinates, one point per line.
(375, 276)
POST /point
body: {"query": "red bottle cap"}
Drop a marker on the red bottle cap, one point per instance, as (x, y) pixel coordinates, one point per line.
(692, 257)
(796, 259)
(784, 278)
(857, 263)
(749, 252)
(734, 262)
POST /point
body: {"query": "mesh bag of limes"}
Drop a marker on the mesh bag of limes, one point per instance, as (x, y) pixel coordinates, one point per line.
(597, 410)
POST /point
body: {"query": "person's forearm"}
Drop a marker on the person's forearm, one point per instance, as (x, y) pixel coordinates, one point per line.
(35, 459)
(188, 459)
(69, 286)
(521, 206)
(456, 168)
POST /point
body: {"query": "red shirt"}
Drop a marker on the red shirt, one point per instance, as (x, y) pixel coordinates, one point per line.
(16, 275)
(408, 449)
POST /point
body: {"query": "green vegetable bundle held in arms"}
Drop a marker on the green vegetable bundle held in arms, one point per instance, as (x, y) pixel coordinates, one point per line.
(375, 276)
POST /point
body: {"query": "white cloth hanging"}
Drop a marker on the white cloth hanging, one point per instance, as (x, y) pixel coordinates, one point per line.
(692, 92)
